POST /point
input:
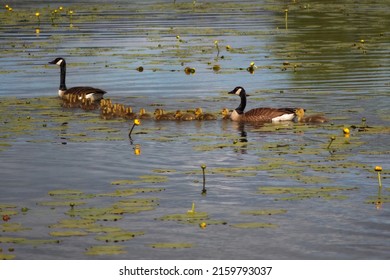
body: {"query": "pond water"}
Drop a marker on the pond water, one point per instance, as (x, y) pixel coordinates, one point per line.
(73, 185)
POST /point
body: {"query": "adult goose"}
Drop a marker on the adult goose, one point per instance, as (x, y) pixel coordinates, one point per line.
(259, 114)
(95, 94)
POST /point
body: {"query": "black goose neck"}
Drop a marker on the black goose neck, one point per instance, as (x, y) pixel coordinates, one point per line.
(240, 109)
(63, 75)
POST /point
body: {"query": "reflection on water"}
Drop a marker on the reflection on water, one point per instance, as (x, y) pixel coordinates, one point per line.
(332, 59)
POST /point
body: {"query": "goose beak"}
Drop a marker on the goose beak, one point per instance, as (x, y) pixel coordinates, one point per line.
(232, 92)
(52, 62)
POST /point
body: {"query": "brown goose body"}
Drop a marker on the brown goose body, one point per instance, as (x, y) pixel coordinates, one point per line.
(161, 115)
(180, 116)
(315, 119)
(300, 117)
(199, 115)
(259, 114)
(264, 115)
(81, 90)
(144, 115)
(95, 94)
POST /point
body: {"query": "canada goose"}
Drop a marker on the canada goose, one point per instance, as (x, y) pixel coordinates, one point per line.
(94, 94)
(159, 114)
(184, 116)
(300, 117)
(128, 114)
(143, 114)
(199, 115)
(225, 114)
(259, 114)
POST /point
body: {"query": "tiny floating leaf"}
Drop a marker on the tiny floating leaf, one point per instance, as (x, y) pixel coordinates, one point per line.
(254, 225)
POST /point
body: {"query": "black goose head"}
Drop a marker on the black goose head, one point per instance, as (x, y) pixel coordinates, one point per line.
(59, 61)
(238, 90)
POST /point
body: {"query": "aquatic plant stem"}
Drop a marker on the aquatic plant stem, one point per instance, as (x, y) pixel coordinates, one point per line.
(204, 191)
(379, 169)
(286, 17)
(331, 141)
(364, 122)
(378, 203)
(216, 45)
(135, 123)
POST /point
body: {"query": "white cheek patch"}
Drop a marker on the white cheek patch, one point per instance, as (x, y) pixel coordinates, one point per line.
(238, 91)
(59, 62)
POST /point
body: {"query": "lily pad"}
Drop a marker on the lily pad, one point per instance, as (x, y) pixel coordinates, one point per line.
(68, 233)
(103, 229)
(376, 199)
(65, 203)
(131, 192)
(187, 217)
(142, 179)
(119, 236)
(6, 256)
(299, 193)
(12, 227)
(4, 239)
(164, 170)
(74, 224)
(7, 206)
(254, 225)
(64, 192)
(96, 213)
(8, 212)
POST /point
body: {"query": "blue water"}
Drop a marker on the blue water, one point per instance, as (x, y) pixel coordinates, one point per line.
(335, 74)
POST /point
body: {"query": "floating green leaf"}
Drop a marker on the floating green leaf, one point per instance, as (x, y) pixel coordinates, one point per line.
(12, 227)
(254, 225)
(4, 239)
(299, 193)
(376, 199)
(118, 236)
(64, 192)
(6, 256)
(75, 224)
(187, 217)
(142, 179)
(65, 203)
(68, 233)
(131, 191)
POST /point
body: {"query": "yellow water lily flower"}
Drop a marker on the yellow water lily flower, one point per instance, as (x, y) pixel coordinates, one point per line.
(378, 168)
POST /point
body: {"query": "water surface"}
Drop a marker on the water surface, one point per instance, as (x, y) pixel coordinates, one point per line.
(330, 58)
